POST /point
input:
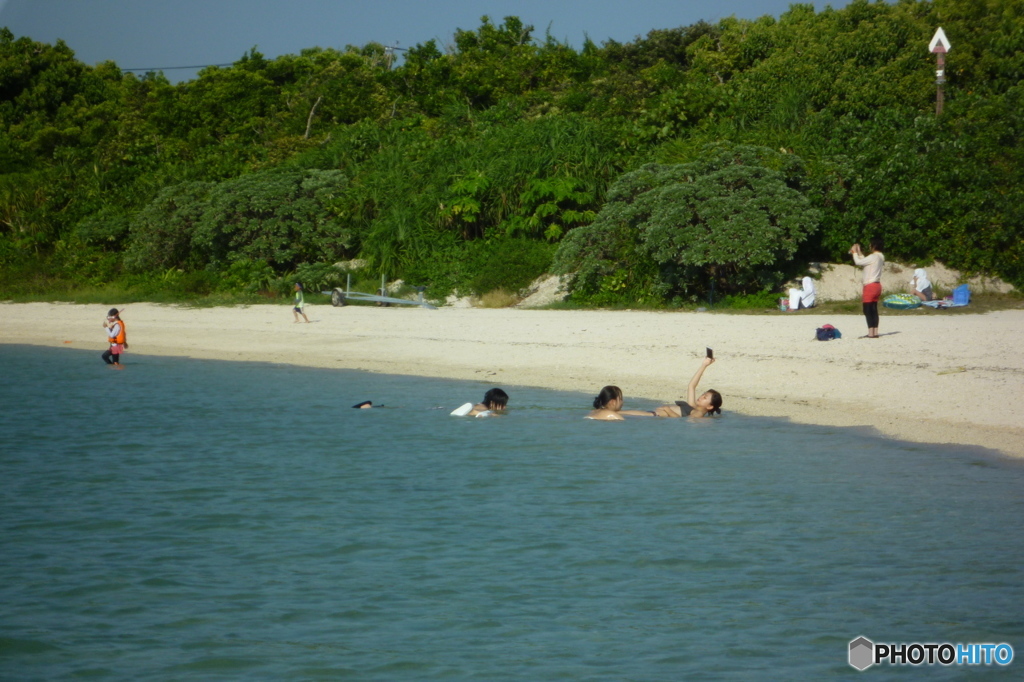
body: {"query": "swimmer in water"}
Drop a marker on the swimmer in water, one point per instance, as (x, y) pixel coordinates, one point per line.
(708, 402)
(494, 403)
(607, 405)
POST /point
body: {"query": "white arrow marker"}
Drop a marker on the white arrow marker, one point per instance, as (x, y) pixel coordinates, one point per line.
(940, 43)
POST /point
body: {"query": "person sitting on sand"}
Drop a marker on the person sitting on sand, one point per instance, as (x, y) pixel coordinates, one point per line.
(708, 402)
(802, 297)
(921, 286)
(607, 404)
(494, 402)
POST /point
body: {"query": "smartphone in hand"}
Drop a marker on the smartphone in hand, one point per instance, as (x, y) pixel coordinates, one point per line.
(711, 353)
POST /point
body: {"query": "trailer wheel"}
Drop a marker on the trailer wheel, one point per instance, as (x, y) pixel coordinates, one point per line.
(338, 298)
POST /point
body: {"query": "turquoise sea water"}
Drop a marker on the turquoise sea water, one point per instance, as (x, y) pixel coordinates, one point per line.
(187, 519)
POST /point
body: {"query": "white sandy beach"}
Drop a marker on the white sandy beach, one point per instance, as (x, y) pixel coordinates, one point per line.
(931, 378)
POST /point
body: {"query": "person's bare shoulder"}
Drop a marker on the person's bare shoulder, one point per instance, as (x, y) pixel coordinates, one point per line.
(605, 415)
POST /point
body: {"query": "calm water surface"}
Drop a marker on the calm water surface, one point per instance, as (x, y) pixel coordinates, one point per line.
(186, 519)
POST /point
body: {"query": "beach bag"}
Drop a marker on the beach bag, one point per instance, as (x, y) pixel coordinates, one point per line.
(827, 333)
(962, 295)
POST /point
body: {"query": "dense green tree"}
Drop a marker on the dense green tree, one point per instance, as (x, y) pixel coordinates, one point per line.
(278, 217)
(729, 223)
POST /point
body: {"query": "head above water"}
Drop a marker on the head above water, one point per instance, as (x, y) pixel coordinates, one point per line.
(495, 399)
(607, 395)
(711, 401)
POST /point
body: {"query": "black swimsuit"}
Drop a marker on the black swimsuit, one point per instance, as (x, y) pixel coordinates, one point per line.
(684, 408)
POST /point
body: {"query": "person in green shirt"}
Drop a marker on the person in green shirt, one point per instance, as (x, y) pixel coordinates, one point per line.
(300, 304)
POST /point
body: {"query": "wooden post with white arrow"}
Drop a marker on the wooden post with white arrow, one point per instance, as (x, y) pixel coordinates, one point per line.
(939, 47)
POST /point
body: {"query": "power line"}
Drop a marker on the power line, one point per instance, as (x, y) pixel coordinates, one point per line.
(387, 48)
(171, 68)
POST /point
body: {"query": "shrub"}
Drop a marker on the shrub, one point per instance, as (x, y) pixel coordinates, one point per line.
(277, 217)
(198, 282)
(731, 221)
(160, 235)
(280, 217)
(499, 298)
(247, 276)
(319, 276)
(509, 264)
(757, 301)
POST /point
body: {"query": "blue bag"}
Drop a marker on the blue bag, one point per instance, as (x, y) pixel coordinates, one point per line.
(827, 333)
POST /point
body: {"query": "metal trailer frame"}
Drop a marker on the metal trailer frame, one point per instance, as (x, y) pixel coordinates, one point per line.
(341, 298)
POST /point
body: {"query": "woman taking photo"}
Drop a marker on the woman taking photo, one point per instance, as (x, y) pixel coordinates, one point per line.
(872, 265)
(707, 403)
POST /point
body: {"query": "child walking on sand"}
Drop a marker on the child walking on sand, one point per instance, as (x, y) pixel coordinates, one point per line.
(300, 304)
(116, 336)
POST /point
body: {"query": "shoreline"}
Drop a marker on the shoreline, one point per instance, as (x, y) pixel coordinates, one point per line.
(930, 379)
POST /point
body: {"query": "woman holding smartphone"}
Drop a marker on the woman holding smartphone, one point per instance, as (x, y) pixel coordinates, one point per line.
(708, 402)
(872, 265)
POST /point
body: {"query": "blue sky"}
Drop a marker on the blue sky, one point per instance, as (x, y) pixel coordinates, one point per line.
(166, 33)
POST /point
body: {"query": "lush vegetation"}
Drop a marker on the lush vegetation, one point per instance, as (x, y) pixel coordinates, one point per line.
(714, 156)
(730, 220)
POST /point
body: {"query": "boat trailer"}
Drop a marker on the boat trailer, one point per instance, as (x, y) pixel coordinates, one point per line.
(341, 297)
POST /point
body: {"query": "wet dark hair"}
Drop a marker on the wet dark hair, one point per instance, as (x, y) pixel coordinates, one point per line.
(607, 394)
(877, 244)
(716, 401)
(365, 403)
(495, 398)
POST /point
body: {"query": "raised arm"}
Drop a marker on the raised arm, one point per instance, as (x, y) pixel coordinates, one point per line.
(691, 390)
(859, 258)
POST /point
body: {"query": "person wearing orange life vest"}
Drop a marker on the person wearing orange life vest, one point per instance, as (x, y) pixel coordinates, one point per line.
(116, 336)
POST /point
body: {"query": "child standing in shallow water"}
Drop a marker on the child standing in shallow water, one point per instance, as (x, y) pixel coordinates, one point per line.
(116, 336)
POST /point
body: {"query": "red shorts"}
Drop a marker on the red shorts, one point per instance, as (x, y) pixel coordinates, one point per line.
(872, 292)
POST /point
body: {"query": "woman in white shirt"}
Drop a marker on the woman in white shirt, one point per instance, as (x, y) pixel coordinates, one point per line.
(872, 265)
(802, 297)
(921, 286)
